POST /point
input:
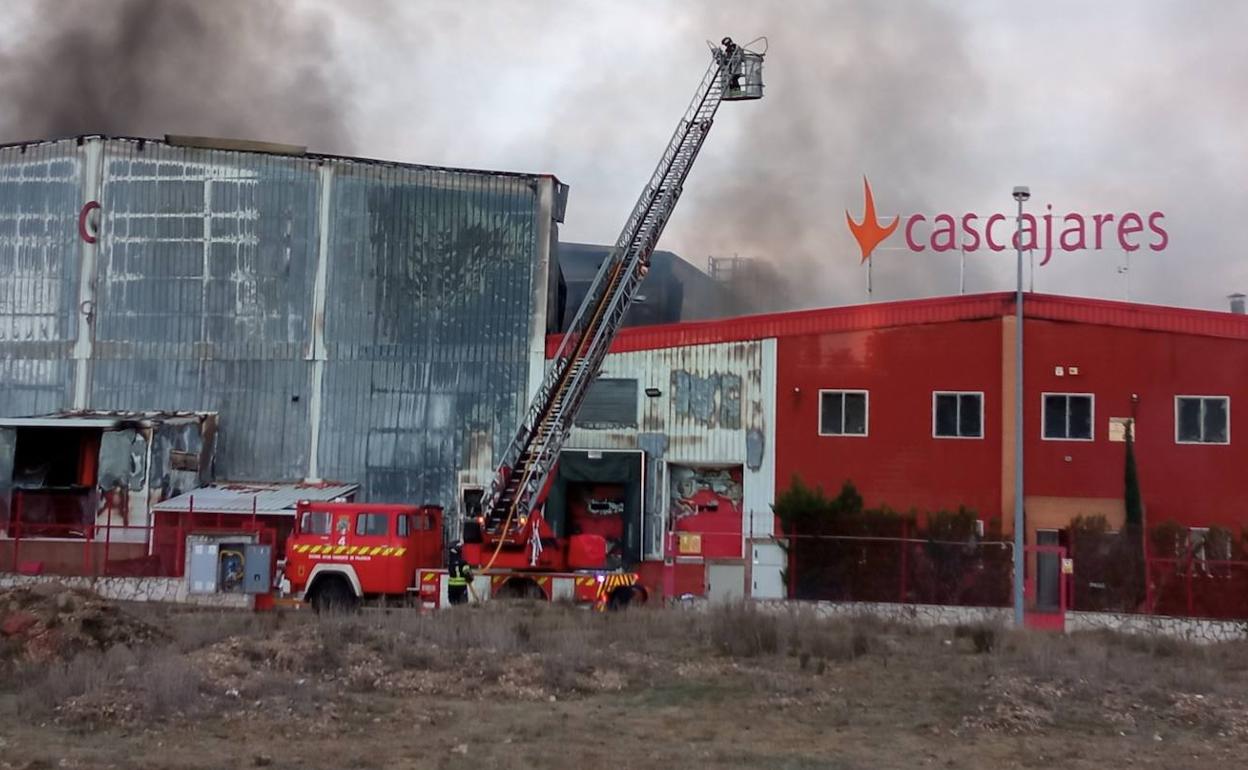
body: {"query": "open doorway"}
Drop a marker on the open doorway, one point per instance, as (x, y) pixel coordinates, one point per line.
(600, 493)
(53, 482)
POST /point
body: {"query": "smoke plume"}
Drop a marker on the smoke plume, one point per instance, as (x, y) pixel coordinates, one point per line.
(228, 68)
(852, 89)
(1100, 107)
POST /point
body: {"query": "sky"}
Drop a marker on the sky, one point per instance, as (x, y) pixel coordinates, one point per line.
(1104, 107)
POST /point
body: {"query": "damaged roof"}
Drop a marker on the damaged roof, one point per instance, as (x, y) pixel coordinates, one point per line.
(102, 419)
(247, 497)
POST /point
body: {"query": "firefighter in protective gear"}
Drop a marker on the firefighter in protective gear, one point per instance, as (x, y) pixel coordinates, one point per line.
(459, 575)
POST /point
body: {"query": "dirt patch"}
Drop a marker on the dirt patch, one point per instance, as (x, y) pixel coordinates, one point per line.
(49, 622)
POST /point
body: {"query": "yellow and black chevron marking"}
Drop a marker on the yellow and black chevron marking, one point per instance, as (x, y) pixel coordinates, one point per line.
(350, 550)
(610, 583)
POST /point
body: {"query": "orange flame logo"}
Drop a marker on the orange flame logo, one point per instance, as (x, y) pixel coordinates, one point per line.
(869, 233)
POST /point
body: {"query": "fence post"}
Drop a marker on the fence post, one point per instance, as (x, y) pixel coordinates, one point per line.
(1148, 573)
(669, 567)
(86, 549)
(16, 526)
(793, 561)
(905, 549)
(747, 553)
(108, 541)
(1069, 580)
(1188, 586)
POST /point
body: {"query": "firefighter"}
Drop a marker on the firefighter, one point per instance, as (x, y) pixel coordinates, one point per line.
(459, 574)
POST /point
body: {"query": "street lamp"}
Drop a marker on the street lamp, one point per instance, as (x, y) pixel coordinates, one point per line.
(1021, 194)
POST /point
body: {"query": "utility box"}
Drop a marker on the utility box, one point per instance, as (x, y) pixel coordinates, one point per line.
(201, 568)
(228, 564)
(258, 563)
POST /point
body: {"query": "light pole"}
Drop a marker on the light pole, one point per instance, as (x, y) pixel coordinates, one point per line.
(1021, 194)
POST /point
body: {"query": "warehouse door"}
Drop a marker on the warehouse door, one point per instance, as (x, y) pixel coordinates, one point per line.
(725, 581)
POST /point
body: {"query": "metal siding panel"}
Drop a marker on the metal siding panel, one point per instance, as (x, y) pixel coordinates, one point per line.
(760, 483)
(427, 324)
(206, 273)
(40, 190)
(696, 432)
(205, 277)
(205, 252)
(684, 429)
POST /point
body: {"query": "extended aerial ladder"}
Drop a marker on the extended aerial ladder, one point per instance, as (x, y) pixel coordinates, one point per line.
(511, 508)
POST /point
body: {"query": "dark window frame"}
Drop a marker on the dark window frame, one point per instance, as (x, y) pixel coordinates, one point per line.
(585, 417)
(1044, 416)
(866, 412)
(958, 421)
(1202, 419)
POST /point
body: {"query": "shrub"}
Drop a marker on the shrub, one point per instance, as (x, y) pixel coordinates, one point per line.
(169, 683)
(742, 631)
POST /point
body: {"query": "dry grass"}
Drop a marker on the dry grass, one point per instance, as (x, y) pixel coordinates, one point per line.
(169, 683)
(468, 675)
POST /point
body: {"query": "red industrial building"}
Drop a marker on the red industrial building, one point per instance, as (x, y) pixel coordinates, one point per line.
(912, 401)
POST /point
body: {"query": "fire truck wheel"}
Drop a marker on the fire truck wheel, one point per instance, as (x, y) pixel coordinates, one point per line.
(333, 594)
(623, 597)
(520, 588)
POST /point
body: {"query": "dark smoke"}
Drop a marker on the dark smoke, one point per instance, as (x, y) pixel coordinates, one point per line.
(852, 89)
(226, 68)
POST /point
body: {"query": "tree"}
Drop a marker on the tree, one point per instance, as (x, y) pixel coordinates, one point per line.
(1131, 495)
(1132, 559)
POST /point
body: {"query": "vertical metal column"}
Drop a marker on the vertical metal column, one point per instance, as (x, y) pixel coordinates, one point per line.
(1020, 194)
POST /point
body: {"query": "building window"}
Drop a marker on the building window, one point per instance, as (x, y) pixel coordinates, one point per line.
(842, 413)
(1068, 416)
(610, 403)
(371, 525)
(1202, 419)
(958, 415)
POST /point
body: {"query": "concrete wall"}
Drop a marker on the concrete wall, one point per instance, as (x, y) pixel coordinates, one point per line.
(126, 589)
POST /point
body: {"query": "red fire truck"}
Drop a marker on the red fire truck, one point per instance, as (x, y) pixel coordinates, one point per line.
(341, 554)
(345, 553)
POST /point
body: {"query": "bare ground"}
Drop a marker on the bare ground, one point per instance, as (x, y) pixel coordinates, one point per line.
(532, 686)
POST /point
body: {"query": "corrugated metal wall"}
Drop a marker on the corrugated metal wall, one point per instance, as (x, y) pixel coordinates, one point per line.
(716, 406)
(205, 269)
(40, 196)
(377, 314)
(427, 323)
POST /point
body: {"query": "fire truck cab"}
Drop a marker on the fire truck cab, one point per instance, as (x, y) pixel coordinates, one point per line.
(342, 553)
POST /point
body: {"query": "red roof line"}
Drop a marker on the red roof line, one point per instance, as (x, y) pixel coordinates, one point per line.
(914, 312)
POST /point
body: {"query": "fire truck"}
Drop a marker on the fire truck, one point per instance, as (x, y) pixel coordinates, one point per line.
(342, 554)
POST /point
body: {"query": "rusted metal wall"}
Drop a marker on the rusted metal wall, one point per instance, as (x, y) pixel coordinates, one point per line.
(348, 319)
(715, 407)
